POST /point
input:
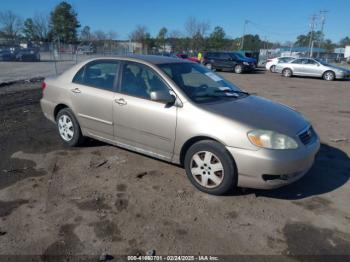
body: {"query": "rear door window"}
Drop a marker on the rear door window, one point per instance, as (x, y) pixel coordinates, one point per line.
(100, 74)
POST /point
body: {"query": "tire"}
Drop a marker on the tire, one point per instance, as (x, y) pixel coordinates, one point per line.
(273, 69)
(238, 69)
(287, 72)
(200, 170)
(68, 128)
(329, 76)
(209, 66)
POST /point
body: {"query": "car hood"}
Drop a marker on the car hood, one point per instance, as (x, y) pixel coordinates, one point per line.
(259, 113)
(248, 59)
(338, 68)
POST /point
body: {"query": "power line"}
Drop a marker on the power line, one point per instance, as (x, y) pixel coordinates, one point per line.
(263, 28)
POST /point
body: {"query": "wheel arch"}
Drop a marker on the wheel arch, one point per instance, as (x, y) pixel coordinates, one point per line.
(58, 108)
(328, 70)
(194, 140)
(288, 69)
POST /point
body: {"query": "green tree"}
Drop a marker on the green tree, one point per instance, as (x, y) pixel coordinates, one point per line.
(328, 45)
(36, 29)
(216, 39)
(64, 23)
(162, 37)
(345, 41)
(304, 40)
(29, 30)
(252, 42)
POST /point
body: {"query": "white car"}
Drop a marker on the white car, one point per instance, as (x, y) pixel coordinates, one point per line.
(271, 63)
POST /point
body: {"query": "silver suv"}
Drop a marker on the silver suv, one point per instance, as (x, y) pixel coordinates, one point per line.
(183, 113)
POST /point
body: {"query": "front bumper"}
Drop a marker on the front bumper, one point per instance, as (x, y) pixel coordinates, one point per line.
(249, 68)
(286, 166)
(342, 75)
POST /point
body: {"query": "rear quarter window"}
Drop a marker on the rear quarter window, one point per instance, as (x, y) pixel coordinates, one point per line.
(79, 77)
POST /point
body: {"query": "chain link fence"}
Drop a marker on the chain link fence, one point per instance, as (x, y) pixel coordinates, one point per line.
(23, 62)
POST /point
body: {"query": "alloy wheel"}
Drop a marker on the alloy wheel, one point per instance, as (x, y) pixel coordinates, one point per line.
(238, 69)
(65, 127)
(207, 169)
(329, 76)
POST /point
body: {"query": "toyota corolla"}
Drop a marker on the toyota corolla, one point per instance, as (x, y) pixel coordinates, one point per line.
(182, 112)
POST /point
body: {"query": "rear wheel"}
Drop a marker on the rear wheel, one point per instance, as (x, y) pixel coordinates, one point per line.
(329, 76)
(287, 72)
(210, 168)
(238, 69)
(68, 128)
(273, 69)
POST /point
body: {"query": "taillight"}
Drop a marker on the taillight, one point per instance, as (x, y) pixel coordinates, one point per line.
(43, 86)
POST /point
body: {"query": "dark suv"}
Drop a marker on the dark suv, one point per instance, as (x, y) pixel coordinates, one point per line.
(229, 61)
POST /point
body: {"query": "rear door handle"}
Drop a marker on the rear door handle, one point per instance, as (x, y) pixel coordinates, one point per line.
(120, 101)
(76, 90)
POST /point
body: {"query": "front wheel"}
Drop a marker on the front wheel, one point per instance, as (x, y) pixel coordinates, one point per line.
(273, 69)
(287, 72)
(68, 128)
(210, 168)
(209, 66)
(329, 76)
(238, 69)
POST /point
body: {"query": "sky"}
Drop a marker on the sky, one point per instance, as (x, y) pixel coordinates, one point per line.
(275, 20)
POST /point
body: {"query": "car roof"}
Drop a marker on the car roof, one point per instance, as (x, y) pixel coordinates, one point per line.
(152, 59)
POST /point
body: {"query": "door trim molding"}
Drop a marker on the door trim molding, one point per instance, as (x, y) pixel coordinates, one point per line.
(96, 119)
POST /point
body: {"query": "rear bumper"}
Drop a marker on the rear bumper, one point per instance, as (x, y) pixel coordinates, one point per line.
(48, 109)
(268, 169)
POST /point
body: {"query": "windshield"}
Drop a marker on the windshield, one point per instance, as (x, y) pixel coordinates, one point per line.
(322, 62)
(239, 55)
(200, 84)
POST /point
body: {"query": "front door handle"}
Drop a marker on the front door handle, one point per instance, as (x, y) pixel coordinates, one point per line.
(76, 90)
(120, 101)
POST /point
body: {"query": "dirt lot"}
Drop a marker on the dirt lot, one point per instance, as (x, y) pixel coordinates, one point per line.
(99, 198)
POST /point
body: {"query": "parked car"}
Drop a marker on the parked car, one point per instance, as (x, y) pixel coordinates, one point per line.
(229, 61)
(86, 49)
(28, 54)
(271, 63)
(312, 67)
(182, 112)
(6, 55)
(186, 57)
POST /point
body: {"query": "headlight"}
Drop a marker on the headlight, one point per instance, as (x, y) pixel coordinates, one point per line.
(245, 63)
(271, 140)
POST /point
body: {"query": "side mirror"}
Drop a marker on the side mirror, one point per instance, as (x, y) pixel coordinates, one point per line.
(163, 96)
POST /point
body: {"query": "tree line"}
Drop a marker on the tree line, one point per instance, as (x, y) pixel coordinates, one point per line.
(62, 25)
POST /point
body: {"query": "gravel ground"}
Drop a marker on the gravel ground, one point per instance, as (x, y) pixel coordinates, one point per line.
(99, 198)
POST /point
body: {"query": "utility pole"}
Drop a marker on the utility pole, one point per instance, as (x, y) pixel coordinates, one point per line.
(244, 31)
(323, 21)
(312, 27)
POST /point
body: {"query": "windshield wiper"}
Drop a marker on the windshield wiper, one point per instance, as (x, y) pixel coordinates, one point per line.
(231, 91)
